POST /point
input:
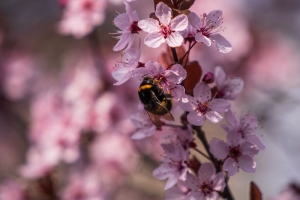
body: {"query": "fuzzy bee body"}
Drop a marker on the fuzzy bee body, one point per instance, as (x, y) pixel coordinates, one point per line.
(157, 103)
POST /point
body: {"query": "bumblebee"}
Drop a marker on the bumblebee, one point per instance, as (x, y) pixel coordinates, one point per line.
(157, 103)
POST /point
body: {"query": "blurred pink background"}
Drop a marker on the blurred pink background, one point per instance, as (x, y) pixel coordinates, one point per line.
(55, 86)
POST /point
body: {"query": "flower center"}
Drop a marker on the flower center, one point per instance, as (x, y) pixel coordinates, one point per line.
(134, 28)
(206, 189)
(235, 152)
(203, 108)
(165, 30)
(210, 27)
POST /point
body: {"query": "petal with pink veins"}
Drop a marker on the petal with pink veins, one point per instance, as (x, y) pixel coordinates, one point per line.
(222, 44)
(149, 25)
(179, 23)
(175, 39)
(154, 40)
(163, 13)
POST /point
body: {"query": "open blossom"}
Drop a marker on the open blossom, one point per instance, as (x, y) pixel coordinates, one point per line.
(183, 137)
(169, 80)
(126, 64)
(228, 88)
(177, 192)
(174, 166)
(80, 17)
(208, 28)
(145, 127)
(206, 184)
(236, 153)
(202, 106)
(246, 126)
(164, 30)
(189, 33)
(128, 25)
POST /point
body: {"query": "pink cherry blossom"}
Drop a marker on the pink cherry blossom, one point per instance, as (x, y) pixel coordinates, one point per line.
(80, 17)
(246, 126)
(145, 127)
(126, 64)
(128, 25)
(164, 30)
(236, 153)
(208, 28)
(202, 106)
(206, 184)
(174, 166)
(189, 33)
(178, 136)
(169, 80)
(177, 192)
(228, 88)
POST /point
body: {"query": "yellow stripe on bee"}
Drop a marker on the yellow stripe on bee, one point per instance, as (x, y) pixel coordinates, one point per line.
(143, 87)
(164, 103)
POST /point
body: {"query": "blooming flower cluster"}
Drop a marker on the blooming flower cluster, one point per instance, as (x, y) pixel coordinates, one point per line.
(175, 85)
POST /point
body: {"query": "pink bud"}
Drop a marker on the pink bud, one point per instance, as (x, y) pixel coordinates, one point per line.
(208, 78)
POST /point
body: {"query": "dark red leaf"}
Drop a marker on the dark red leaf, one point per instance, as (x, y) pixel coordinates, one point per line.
(167, 2)
(195, 164)
(194, 73)
(186, 4)
(255, 193)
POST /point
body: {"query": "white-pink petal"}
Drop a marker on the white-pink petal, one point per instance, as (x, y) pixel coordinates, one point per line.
(154, 39)
(172, 180)
(222, 44)
(163, 13)
(201, 38)
(254, 139)
(220, 105)
(215, 17)
(207, 171)
(247, 164)
(149, 25)
(202, 92)
(122, 21)
(220, 77)
(218, 148)
(230, 166)
(196, 118)
(231, 119)
(194, 20)
(175, 39)
(214, 117)
(179, 23)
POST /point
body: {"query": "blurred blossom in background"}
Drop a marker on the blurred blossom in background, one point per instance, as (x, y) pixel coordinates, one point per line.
(65, 129)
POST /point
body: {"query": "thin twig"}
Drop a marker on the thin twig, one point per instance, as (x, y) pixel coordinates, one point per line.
(174, 53)
(203, 154)
(201, 135)
(186, 53)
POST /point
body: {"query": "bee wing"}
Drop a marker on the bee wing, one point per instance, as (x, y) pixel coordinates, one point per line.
(155, 120)
(168, 117)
